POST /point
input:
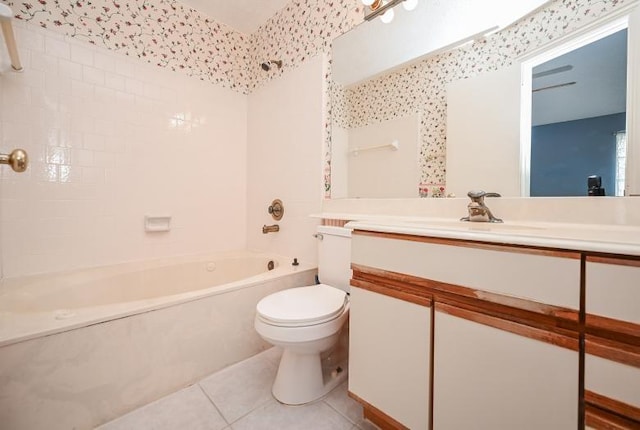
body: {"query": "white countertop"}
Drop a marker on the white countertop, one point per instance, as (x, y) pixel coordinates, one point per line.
(580, 237)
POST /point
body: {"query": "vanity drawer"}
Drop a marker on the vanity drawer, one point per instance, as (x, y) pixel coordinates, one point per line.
(613, 288)
(539, 275)
(612, 344)
(612, 386)
(617, 381)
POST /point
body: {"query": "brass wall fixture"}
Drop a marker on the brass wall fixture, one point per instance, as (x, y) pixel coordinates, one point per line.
(276, 209)
(270, 228)
(18, 160)
(267, 65)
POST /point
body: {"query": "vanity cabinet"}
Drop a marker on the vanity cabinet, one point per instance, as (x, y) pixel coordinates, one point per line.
(389, 359)
(612, 342)
(493, 374)
(499, 333)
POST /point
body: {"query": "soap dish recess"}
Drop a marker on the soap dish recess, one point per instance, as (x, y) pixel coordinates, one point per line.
(154, 224)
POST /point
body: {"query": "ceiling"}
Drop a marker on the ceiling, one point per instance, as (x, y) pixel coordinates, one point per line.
(244, 16)
(599, 71)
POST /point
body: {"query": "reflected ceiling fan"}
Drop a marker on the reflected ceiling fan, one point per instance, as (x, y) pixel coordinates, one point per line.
(552, 72)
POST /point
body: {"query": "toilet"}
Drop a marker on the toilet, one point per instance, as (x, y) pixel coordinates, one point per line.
(307, 322)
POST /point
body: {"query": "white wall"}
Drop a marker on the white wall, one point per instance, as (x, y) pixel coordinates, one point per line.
(111, 140)
(483, 134)
(339, 162)
(285, 139)
(384, 172)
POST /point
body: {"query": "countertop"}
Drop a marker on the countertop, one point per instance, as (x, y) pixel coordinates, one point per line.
(600, 238)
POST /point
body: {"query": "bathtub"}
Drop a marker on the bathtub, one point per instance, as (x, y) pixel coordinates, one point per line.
(81, 348)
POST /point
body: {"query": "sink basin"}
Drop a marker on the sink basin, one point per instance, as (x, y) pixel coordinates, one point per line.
(477, 226)
(500, 226)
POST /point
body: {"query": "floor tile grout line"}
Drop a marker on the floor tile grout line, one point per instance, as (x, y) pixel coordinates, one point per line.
(213, 403)
(340, 413)
(257, 357)
(253, 410)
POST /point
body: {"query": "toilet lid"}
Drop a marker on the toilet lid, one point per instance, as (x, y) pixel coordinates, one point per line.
(302, 306)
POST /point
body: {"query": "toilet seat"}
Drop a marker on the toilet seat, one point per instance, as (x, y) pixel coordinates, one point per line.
(304, 306)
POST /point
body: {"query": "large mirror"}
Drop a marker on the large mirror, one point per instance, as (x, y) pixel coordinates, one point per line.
(555, 126)
(390, 127)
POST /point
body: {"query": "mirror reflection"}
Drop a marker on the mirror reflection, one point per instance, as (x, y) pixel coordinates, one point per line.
(579, 103)
(373, 108)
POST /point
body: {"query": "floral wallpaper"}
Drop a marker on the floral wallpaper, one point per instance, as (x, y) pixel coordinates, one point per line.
(303, 29)
(170, 35)
(421, 87)
(161, 32)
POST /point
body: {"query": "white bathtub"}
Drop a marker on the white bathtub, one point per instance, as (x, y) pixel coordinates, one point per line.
(79, 349)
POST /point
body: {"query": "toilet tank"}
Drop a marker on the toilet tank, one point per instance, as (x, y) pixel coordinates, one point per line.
(334, 256)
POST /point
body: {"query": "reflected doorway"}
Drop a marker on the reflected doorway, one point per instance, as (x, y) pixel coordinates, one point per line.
(578, 118)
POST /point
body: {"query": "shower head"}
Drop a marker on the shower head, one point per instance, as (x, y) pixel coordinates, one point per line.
(266, 66)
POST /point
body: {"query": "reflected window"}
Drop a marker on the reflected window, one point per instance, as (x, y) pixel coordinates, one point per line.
(621, 162)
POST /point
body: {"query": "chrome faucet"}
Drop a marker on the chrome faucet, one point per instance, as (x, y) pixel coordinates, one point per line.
(270, 228)
(478, 211)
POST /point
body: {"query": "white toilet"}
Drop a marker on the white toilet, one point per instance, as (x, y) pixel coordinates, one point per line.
(307, 322)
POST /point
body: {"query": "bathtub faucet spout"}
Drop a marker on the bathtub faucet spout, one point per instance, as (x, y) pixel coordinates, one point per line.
(270, 228)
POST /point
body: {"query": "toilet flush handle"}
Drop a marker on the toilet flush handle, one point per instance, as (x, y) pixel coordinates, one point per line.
(318, 236)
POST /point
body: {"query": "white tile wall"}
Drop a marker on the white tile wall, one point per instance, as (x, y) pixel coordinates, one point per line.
(285, 159)
(111, 140)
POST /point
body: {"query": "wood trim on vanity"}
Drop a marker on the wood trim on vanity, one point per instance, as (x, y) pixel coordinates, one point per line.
(512, 327)
(599, 419)
(376, 416)
(391, 291)
(613, 329)
(614, 260)
(489, 246)
(554, 319)
(612, 350)
(612, 405)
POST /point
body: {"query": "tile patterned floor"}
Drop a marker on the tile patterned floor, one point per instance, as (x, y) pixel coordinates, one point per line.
(239, 398)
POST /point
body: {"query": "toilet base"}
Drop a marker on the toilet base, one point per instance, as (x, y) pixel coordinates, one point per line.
(304, 376)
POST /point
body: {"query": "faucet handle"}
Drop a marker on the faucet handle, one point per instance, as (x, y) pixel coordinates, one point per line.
(477, 194)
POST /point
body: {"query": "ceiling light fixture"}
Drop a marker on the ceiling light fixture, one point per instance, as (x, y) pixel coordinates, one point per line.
(387, 17)
(410, 4)
(384, 8)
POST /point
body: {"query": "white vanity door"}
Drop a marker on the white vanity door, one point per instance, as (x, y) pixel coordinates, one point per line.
(487, 378)
(389, 356)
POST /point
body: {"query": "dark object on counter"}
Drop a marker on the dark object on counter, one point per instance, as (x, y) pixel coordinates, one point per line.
(594, 186)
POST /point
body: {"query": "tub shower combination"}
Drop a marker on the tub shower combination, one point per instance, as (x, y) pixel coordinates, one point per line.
(79, 349)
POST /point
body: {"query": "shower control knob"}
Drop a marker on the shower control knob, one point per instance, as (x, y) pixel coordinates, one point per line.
(276, 209)
(18, 160)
